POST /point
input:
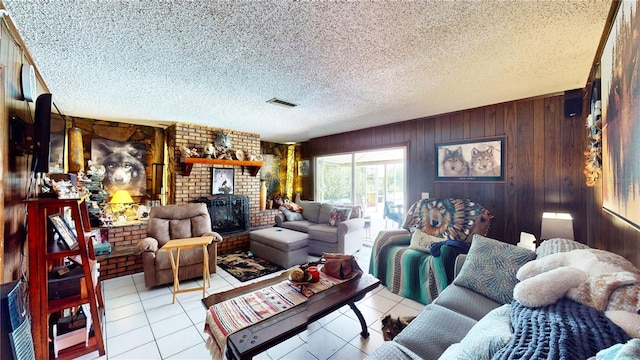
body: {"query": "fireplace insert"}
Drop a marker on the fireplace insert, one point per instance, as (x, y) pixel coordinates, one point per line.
(229, 213)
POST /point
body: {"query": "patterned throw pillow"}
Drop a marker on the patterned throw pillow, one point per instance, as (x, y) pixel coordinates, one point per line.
(491, 266)
(422, 242)
(338, 215)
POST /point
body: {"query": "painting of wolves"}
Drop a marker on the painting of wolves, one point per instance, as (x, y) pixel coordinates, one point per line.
(124, 163)
(483, 163)
(392, 327)
(454, 164)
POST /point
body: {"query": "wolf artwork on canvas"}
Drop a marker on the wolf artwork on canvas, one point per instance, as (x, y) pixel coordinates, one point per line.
(483, 163)
(124, 165)
(454, 164)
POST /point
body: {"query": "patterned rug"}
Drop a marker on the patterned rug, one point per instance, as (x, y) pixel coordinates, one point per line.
(244, 268)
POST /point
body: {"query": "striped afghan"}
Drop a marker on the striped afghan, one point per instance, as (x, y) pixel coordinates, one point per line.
(410, 273)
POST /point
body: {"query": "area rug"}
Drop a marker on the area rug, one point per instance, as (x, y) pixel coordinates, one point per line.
(245, 268)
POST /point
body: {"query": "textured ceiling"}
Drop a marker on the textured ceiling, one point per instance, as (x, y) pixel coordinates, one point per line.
(347, 64)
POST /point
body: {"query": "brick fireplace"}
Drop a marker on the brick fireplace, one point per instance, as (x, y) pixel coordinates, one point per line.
(184, 189)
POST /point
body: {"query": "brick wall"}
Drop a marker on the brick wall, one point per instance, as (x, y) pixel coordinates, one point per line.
(121, 261)
(183, 189)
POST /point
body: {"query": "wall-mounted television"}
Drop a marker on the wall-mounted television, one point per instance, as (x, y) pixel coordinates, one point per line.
(42, 133)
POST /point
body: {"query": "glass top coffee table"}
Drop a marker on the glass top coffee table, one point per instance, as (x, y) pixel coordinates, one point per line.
(252, 340)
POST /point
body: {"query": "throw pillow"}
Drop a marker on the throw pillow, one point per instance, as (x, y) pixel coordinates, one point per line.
(310, 210)
(290, 215)
(293, 207)
(422, 242)
(338, 215)
(491, 266)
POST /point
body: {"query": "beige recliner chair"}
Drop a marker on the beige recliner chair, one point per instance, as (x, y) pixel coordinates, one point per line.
(176, 222)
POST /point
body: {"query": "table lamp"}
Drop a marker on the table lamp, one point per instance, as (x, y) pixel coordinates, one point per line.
(556, 225)
(120, 203)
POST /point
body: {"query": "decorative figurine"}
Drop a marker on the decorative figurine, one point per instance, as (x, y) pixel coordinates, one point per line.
(209, 151)
(223, 142)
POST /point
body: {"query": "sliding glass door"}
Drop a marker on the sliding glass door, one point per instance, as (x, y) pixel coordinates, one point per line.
(368, 178)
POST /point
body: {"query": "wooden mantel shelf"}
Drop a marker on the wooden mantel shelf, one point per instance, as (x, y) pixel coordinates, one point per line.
(253, 166)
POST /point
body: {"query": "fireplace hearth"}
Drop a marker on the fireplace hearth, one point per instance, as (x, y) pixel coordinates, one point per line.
(229, 213)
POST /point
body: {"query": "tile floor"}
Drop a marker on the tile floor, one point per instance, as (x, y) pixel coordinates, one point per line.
(143, 324)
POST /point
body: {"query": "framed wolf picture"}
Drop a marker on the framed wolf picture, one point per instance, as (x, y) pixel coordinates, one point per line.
(471, 160)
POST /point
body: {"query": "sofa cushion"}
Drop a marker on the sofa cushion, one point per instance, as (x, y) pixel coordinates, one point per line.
(300, 225)
(458, 298)
(180, 229)
(485, 338)
(188, 256)
(290, 215)
(311, 210)
(422, 242)
(323, 232)
(325, 213)
(338, 215)
(491, 266)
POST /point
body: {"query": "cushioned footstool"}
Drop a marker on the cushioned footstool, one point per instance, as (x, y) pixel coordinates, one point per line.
(280, 246)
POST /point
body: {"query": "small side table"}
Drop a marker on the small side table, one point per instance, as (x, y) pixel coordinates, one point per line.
(367, 227)
(187, 243)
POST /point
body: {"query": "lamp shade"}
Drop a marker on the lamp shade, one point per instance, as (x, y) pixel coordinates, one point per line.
(121, 197)
(556, 225)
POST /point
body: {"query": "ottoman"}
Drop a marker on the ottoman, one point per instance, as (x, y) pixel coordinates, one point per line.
(283, 247)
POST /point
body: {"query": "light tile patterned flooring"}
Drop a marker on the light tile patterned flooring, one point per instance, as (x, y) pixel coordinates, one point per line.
(143, 323)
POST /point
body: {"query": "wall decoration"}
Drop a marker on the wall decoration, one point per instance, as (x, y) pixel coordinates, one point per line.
(620, 116)
(471, 160)
(270, 172)
(222, 181)
(65, 234)
(124, 163)
(303, 167)
(593, 162)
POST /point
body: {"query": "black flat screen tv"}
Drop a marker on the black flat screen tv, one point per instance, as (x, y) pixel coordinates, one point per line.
(42, 133)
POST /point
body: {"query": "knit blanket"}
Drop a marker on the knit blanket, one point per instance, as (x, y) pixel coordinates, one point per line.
(412, 274)
(563, 330)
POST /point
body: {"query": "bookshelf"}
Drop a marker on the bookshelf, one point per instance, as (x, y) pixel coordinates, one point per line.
(45, 254)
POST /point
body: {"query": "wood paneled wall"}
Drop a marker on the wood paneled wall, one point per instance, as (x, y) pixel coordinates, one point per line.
(15, 169)
(544, 168)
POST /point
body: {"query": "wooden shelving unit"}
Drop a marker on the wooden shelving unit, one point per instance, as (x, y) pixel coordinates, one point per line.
(44, 254)
(252, 166)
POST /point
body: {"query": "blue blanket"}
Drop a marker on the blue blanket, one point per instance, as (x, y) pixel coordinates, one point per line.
(564, 330)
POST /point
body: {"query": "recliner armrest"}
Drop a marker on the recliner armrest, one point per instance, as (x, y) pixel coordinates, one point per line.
(147, 244)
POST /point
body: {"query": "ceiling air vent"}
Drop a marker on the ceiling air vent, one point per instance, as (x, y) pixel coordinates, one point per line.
(281, 103)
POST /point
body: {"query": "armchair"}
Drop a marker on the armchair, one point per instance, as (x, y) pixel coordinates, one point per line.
(422, 274)
(176, 222)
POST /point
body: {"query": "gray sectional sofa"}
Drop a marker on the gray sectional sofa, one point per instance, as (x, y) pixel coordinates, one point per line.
(476, 318)
(344, 237)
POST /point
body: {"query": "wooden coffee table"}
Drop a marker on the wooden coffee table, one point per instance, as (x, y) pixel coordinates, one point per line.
(252, 340)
